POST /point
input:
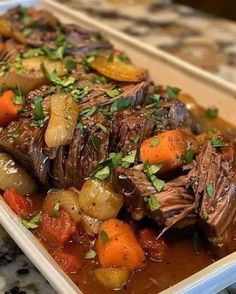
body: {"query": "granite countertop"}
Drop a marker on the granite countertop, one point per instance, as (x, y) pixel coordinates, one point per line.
(201, 39)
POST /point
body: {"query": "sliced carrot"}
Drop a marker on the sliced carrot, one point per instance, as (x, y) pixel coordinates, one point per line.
(17, 202)
(8, 110)
(168, 148)
(120, 247)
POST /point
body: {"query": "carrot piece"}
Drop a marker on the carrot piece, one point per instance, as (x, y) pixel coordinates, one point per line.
(8, 110)
(56, 230)
(67, 262)
(168, 148)
(121, 248)
(18, 203)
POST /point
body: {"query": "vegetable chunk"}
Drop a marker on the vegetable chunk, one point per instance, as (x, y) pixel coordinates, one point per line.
(117, 246)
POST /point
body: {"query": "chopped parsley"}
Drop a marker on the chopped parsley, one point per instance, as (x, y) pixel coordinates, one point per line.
(102, 173)
(55, 211)
(120, 104)
(172, 92)
(79, 94)
(19, 65)
(70, 64)
(150, 171)
(157, 183)
(18, 99)
(210, 189)
(129, 159)
(153, 202)
(217, 142)
(104, 237)
(188, 156)
(123, 57)
(79, 126)
(90, 254)
(205, 215)
(112, 92)
(38, 108)
(88, 112)
(101, 127)
(33, 223)
(155, 142)
(110, 58)
(211, 113)
(96, 141)
(26, 32)
(98, 80)
(33, 52)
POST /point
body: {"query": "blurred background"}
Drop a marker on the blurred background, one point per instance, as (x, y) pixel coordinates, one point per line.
(200, 32)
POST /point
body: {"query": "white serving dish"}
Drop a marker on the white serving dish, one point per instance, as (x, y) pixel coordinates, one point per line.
(207, 89)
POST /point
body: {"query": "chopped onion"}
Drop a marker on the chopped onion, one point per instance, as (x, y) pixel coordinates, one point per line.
(64, 112)
(32, 77)
(117, 70)
(68, 200)
(13, 176)
(113, 278)
(9, 31)
(91, 225)
(99, 201)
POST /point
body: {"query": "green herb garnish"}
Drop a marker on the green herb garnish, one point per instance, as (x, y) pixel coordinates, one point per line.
(96, 141)
(129, 158)
(212, 113)
(153, 202)
(155, 142)
(55, 211)
(104, 237)
(90, 254)
(205, 215)
(172, 92)
(88, 112)
(110, 58)
(70, 64)
(157, 183)
(27, 32)
(120, 104)
(33, 223)
(99, 80)
(112, 92)
(188, 156)
(34, 52)
(217, 142)
(18, 99)
(38, 108)
(101, 127)
(102, 173)
(123, 57)
(210, 189)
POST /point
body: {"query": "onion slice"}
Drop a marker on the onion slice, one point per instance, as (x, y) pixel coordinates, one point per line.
(13, 176)
(113, 278)
(117, 70)
(68, 200)
(98, 200)
(64, 112)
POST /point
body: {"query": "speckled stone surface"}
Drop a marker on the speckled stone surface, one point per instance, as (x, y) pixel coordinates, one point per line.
(201, 39)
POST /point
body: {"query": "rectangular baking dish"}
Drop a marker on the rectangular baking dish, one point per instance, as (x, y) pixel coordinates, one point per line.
(165, 69)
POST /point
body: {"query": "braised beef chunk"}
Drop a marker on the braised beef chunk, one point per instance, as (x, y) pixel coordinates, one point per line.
(174, 205)
(214, 183)
(129, 128)
(25, 143)
(135, 93)
(83, 41)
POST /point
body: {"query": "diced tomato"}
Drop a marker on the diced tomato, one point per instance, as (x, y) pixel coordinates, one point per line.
(154, 246)
(18, 203)
(57, 230)
(67, 262)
